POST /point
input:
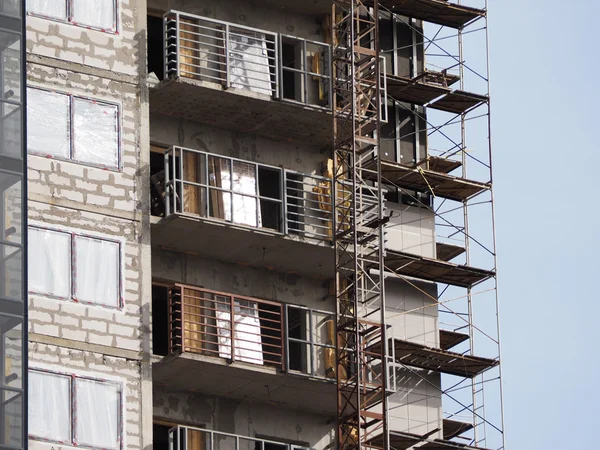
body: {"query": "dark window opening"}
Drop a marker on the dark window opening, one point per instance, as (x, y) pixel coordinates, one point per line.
(269, 185)
(298, 360)
(160, 320)
(160, 437)
(291, 58)
(155, 47)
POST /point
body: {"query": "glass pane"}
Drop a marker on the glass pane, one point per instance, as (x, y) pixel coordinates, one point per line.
(194, 167)
(56, 9)
(219, 172)
(49, 262)
(299, 357)
(324, 360)
(194, 200)
(10, 127)
(97, 414)
(270, 215)
(11, 272)
(97, 270)
(95, 13)
(11, 7)
(220, 204)
(244, 178)
(323, 328)
(50, 406)
(48, 123)
(11, 210)
(245, 210)
(12, 412)
(12, 341)
(11, 72)
(95, 133)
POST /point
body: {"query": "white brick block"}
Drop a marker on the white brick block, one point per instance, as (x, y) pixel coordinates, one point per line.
(71, 195)
(98, 200)
(70, 321)
(120, 330)
(94, 325)
(74, 334)
(47, 329)
(100, 339)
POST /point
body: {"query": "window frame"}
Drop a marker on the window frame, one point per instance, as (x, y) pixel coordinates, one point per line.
(73, 272)
(69, 19)
(73, 408)
(71, 129)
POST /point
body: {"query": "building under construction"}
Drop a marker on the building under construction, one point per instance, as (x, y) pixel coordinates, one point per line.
(261, 225)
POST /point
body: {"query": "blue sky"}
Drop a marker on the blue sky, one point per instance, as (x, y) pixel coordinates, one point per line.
(545, 97)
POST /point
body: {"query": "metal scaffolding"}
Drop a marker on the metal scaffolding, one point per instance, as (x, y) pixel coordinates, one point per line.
(467, 292)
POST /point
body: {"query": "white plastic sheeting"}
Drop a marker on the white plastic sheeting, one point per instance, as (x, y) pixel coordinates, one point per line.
(97, 271)
(95, 132)
(98, 413)
(249, 62)
(50, 406)
(48, 8)
(49, 263)
(48, 123)
(247, 343)
(94, 13)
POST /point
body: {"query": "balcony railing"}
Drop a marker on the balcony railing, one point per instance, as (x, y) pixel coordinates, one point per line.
(289, 337)
(224, 325)
(200, 184)
(189, 438)
(234, 56)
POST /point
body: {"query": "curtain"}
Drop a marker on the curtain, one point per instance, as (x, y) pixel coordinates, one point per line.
(49, 263)
(193, 196)
(247, 340)
(249, 63)
(95, 139)
(219, 176)
(188, 48)
(98, 414)
(96, 13)
(97, 271)
(49, 406)
(48, 123)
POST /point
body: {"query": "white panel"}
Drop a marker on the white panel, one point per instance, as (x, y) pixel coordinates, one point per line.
(48, 123)
(247, 341)
(50, 406)
(97, 271)
(57, 9)
(95, 133)
(95, 13)
(49, 264)
(98, 414)
(249, 62)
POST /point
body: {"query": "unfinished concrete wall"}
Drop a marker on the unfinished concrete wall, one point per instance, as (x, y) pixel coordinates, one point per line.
(244, 418)
(295, 156)
(250, 14)
(242, 280)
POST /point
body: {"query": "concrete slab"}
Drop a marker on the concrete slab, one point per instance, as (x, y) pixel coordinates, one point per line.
(242, 381)
(244, 245)
(241, 110)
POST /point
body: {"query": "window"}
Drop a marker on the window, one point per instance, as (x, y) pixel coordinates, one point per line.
(74, 410)
(67, 265)
(69, 127)
(102, 15)
(311, 341)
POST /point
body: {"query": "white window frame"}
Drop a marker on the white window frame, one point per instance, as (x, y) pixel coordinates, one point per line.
(73, 273)
(72, 131)
(69, 20)
(73, 407)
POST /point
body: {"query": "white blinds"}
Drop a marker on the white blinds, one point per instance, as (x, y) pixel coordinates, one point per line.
(95, 136)
(48, 123)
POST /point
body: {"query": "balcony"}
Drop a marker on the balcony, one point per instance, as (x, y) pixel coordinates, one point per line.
(273, 85)
(189, 438)
(246, 212)
(247, 348)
